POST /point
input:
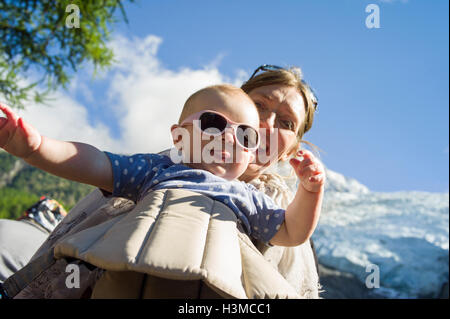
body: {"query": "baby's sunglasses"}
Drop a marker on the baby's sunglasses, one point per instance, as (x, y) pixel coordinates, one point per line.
(214, 124)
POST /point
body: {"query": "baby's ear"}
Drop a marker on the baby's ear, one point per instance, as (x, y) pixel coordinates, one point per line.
(180, 136)
(176, 137)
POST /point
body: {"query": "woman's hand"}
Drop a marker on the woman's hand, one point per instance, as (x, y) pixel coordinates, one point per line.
(309, 170)
(16, 136)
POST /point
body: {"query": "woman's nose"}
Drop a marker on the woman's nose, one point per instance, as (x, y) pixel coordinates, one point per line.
(268, 122)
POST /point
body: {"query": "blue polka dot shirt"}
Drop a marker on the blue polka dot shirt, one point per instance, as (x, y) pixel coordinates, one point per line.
(136, 175)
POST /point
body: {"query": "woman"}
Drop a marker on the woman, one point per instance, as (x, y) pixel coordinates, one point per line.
(286, 105)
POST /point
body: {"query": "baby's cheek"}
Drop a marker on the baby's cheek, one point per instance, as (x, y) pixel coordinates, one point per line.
(235, 170)
(243, 159)
(241, 156)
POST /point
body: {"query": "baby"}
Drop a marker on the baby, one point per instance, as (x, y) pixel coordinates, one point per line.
(225, 118)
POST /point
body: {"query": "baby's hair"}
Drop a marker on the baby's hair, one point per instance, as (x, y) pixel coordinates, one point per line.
(226, 89)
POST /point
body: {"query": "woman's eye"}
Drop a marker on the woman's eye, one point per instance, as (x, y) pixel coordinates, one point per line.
(259, 105)
(288, 124)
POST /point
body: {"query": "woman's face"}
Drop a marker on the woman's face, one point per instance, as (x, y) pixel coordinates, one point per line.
(282, 113)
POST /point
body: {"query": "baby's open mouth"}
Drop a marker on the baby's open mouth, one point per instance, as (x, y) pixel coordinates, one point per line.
(220, 156)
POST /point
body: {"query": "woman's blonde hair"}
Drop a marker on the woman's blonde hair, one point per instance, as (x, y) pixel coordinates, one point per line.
(292, 77)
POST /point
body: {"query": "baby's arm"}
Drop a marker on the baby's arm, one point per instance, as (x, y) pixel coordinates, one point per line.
(302, 215)
(75, 161)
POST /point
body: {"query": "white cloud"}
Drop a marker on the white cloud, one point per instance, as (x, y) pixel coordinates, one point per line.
(67, 120)
(145, 97)
(148, 97)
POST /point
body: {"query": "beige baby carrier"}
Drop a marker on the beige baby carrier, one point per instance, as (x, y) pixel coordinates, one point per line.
(171, 244)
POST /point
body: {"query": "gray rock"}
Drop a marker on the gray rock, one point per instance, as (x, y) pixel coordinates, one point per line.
(444, 291)
(341, 285)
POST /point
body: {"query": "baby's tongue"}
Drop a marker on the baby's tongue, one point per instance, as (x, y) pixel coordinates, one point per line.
(220, 156)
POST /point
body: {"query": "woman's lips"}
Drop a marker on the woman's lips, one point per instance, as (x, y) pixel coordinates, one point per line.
(264, 154)
(264, 149)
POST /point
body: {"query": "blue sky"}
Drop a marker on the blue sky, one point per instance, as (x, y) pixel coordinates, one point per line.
(383, 93)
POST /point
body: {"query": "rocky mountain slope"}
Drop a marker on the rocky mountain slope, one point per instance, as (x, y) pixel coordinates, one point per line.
(401, 237)
(21, 185)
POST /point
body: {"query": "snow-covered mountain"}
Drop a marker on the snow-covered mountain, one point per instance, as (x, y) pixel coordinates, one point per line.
(405, 234)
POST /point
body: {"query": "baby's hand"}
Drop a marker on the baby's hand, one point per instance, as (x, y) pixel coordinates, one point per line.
(16, 136)
(309, 170)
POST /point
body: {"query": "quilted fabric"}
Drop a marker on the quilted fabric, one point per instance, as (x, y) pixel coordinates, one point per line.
(178, 234)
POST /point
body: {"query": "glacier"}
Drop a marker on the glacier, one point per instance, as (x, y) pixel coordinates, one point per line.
(405, 234)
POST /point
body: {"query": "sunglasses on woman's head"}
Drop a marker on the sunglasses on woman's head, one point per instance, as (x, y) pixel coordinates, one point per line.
(270, 67)
(214, 124)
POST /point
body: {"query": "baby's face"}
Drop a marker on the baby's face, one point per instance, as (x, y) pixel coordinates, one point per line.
(221, 155)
